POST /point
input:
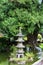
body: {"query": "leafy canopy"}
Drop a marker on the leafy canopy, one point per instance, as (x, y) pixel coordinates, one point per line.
(24, 13)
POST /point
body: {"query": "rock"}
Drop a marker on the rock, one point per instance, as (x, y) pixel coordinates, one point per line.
(39, 62)
(31, 59)
(22, 62)
(11, 59)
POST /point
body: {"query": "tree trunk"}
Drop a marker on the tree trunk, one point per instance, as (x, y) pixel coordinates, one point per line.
(32, 39)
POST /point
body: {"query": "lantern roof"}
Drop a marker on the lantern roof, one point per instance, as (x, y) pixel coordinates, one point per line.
(20, 45)
(19, 40)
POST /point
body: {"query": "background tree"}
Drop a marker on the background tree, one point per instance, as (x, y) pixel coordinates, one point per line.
(25, 13)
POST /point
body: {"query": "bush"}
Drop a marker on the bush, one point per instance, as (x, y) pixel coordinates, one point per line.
(4, 45)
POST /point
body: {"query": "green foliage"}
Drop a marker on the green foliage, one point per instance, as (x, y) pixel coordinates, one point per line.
(41, 45)
(24, 13)
(39, 36)
(4, 47)
(29, 55)
(9, 26)
(3, 1)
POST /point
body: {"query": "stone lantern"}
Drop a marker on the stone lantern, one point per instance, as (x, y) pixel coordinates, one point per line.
(20, 46)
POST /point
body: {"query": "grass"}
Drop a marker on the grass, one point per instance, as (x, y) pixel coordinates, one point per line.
(4, 60)
(4, 63)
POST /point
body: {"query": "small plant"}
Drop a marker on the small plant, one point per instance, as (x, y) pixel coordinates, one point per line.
(39, 36)
(25, 38)
(41, 45)
(29, 55)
